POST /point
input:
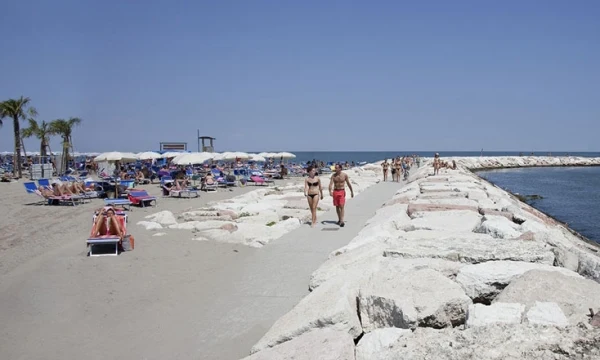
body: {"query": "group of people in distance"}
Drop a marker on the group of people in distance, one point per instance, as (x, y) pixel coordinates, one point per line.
(313, 190)
(398, 166)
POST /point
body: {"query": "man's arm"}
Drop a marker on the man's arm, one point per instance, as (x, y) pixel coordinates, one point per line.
(331, 185)
(349, 186)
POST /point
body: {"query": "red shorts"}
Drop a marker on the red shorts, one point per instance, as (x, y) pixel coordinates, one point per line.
(339, 197)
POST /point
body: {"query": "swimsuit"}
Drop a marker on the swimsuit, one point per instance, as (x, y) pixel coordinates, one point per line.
(339, 197)
(314, 184)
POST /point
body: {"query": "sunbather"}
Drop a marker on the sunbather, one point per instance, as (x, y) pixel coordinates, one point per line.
(46, 192)
(107, 223)
(139, 176)
(208, 180)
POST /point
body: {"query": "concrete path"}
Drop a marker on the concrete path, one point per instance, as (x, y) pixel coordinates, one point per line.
(272, 280)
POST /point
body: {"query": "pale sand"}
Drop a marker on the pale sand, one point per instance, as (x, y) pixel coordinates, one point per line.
(57, 303)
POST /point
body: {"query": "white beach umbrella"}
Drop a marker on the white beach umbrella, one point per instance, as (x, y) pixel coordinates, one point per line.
(171, 154)
(257, 157)
(285, 155)
(116, 156)
(242, 155)
(228, 156)
(266, 154)
(192, 158)
(149, 155)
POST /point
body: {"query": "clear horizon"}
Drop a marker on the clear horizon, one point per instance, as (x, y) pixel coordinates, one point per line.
(314, 75)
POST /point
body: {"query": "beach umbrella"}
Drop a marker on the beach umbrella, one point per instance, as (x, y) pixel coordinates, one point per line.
(285, 155)
(242, 155)
(267, 154)
(192, 158)
(149, 155)
(116, 156)
(171, 154)
(257, 157)
(228, 156)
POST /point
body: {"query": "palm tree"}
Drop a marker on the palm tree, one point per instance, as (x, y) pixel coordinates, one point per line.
(17, 109)
(41, 131)
(65, 129)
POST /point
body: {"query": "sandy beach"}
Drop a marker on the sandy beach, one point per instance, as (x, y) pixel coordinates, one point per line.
(173, 297)
(59, 303)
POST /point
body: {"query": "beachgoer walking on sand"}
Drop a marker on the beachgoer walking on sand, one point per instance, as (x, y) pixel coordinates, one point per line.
(385, 167)
(337, 189)
(437, 163)
(313, 190)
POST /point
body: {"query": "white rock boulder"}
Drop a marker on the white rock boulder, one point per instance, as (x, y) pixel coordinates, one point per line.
(164, 218)
(421, 297)
(505, 313)
(482, 282)
(322, 344)
(546, 313)
(574, 295)
(150, 225)
(370, 345)
(332, 305)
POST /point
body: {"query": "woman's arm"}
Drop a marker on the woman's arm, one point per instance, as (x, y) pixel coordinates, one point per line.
(306, 187)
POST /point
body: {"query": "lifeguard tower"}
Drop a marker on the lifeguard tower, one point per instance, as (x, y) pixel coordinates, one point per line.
(207, 143)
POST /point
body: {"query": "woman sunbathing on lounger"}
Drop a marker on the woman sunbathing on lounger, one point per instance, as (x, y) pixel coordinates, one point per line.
(208, 180)
(47, 193)
(107, 223)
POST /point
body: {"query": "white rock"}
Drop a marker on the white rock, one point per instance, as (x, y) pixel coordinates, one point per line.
(190, 225)
(370, 345)
(482, 315)
(332, 305)
(418, 298)
(547, 313)
(468, 248)
(164, 218)
(319, 344)
(498, 227)
(159, 234)
(454, 220)
(574, 295)
(482, 282)
(150, 225)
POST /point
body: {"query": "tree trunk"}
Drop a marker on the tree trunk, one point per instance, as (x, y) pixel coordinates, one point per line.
(17, 160)
(43, 148)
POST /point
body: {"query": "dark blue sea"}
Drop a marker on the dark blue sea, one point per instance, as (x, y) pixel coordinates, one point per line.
(570, 194)
(371, 156)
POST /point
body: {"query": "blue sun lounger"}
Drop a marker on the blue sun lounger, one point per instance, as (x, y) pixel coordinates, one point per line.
(118, 202)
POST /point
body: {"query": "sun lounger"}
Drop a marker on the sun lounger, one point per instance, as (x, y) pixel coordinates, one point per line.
(141, 197)
(118, 202)
(95, 242)
(184, 193)
(52, 200)
(257, 180)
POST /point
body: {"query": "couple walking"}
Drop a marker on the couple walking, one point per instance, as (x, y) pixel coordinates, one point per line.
(337, 189)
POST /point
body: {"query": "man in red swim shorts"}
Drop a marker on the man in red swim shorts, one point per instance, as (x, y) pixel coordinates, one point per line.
(337, 190)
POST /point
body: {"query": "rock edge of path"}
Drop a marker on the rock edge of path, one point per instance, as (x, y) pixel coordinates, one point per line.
(451, 267)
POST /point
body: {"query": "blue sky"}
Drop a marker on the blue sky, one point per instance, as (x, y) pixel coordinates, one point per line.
(309, 75)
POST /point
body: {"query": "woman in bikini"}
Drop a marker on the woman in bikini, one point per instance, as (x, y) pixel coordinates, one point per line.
(437, 163)
(313, 191)
(107, 223)
(385, 166)
(398, 169)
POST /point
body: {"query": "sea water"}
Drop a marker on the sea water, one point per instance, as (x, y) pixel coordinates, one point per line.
(570, 194)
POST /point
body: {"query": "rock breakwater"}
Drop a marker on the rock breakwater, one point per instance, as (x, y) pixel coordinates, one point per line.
(450, 267)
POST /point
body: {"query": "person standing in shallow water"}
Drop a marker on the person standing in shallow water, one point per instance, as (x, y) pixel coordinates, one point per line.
(337, 190)
(385, 166)
(313, 190)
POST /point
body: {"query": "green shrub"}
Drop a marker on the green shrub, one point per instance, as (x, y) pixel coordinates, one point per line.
(271, 223)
